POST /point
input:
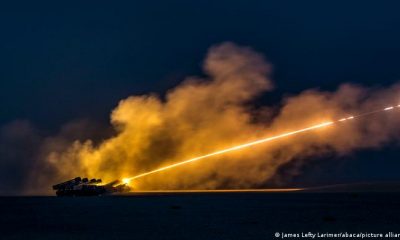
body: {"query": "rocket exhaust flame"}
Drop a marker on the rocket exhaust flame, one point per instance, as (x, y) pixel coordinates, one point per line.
(127, 180)
(264, 140)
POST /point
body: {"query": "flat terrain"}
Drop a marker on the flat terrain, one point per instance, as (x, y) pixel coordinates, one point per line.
(217, 215)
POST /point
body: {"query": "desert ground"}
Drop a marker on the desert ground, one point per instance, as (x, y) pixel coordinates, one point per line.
(198, 215)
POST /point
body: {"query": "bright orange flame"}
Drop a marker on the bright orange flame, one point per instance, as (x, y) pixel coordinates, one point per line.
(127, 180)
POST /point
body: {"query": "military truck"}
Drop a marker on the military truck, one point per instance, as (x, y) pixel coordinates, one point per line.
(84, 187)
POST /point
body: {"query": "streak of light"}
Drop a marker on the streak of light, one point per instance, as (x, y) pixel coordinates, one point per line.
(245, 145)
(268, 139)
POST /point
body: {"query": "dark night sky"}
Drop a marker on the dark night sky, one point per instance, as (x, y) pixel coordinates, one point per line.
(62, 61)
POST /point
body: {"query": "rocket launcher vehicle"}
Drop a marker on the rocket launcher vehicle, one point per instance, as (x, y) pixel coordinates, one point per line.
(85, 187)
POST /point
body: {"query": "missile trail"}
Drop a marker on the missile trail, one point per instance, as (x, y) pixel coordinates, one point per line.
(264, 140)
(231, 149)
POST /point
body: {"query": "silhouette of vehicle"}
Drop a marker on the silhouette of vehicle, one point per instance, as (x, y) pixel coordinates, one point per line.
(85, 187)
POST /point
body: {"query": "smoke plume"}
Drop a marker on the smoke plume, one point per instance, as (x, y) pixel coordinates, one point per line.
(205, 114)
